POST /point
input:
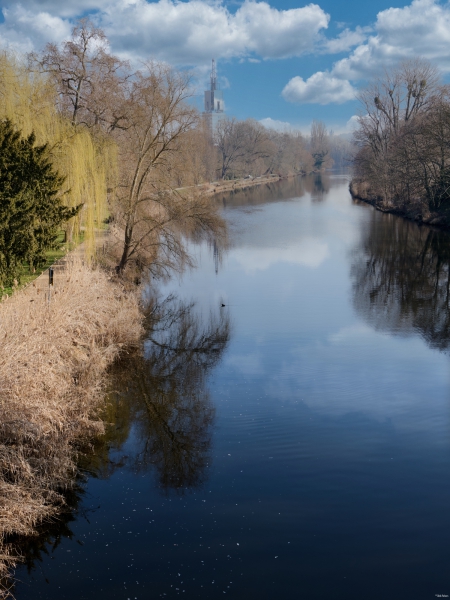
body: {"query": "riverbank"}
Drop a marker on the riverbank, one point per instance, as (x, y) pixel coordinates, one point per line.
(232, 185)
(414, 211)
(53, 361)
(218, 187)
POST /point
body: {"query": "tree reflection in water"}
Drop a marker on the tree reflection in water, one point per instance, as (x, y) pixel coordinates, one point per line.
(321, 186)
(316, 185)
(161, 395)
(169, 387)
(401, 278)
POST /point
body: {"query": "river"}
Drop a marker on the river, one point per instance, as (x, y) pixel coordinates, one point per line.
(287, 432)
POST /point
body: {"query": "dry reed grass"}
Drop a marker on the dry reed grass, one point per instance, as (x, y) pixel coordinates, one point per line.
(53, 359)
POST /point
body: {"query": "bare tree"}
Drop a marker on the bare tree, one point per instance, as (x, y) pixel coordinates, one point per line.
(398, 112)
(341, 150)
(289, 154)
(231, 143)
(147, 115)
(240, 144)
(259, 146)
(88, 78)
(319, 144)
(393, 100)
(195, 162)
(151, 215)
(426, 145)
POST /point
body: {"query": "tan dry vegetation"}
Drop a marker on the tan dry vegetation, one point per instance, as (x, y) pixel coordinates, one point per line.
(53, 358)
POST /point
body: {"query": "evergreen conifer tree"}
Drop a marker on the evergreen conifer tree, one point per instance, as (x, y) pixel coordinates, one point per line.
(31, 208)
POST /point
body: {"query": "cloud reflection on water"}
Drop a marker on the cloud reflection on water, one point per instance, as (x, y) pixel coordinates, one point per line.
(309, 252)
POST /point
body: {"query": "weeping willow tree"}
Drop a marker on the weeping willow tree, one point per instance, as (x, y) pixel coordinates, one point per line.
(29, 100)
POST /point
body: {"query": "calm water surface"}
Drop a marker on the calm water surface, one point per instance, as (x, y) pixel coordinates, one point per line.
(291, 444)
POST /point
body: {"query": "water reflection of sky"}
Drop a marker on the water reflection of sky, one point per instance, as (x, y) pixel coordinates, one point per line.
(287, 286)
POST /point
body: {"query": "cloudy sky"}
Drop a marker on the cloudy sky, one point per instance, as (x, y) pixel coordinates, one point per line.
(279, 61)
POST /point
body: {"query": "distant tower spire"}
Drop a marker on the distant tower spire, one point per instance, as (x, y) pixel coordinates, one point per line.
(213, 76)
(214, 104)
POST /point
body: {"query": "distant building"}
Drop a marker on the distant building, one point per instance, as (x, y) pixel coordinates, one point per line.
(214, 103)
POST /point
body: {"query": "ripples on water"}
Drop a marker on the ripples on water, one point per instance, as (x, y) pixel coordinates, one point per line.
(293, 443)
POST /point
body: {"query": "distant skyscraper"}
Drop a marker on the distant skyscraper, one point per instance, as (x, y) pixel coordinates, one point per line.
(214, 104)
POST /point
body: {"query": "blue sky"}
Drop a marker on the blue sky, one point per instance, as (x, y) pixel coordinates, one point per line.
(282, 61)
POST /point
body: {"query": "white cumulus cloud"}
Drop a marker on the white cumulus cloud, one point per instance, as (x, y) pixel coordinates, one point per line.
(24, 30)
(183, 33)
(320, 88)
(276, 124)
(421, 28)
(192, 32)
(346, 39)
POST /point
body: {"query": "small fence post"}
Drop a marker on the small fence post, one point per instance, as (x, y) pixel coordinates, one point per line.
(50, 283)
